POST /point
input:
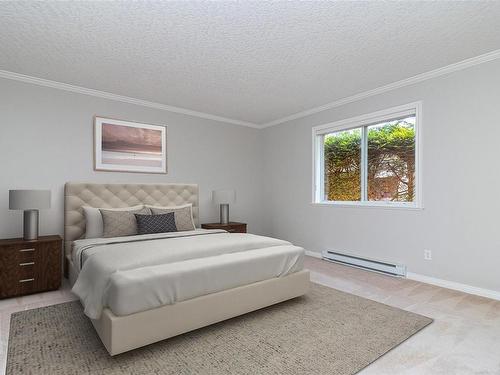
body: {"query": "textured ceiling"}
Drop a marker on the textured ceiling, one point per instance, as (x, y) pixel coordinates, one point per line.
(251, 61)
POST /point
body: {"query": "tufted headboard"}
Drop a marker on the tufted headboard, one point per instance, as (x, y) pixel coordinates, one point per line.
(77, 195)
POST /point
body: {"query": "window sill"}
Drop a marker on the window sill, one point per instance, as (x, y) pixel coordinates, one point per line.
(383, 206)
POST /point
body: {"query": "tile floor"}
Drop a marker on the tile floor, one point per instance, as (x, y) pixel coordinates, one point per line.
(464, 338)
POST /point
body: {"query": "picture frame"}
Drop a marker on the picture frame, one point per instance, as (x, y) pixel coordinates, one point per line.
(128, 146)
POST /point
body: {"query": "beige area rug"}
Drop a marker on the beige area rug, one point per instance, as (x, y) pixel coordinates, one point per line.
(324, 332)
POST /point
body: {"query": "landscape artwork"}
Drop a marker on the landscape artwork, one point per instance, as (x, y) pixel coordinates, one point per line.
(126, 146)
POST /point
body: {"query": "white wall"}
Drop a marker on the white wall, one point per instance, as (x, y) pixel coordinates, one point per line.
(461, 183)
(46, 139)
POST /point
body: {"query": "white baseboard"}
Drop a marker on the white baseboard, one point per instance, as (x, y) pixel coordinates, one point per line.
(488, 293)
(314, 254)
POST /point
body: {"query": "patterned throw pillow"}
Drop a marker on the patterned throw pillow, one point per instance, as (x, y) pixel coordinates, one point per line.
(120, 223)
(147, 224)
(183, 215)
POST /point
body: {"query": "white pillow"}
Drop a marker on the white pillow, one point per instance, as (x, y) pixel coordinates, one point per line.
(94, 226)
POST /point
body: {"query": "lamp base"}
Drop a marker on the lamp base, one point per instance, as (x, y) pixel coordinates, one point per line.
(224, 213)
(30, 225)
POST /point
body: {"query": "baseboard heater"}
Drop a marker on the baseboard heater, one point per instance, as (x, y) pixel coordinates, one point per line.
(365, 263)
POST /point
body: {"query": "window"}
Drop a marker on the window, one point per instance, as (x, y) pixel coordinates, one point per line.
(371, 160)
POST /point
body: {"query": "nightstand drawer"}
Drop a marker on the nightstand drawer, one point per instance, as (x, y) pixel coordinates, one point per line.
(26, 254)
(26, 286)
(18, 253)
(26, 270)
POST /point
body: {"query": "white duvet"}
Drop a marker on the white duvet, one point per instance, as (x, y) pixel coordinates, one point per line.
(138, 273)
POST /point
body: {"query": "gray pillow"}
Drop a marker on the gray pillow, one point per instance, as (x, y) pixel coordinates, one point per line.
(183, 215)
(120, 223)
(147, 224)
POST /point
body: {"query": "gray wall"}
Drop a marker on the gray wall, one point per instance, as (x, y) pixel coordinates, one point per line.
(461, 184)
(46, 139)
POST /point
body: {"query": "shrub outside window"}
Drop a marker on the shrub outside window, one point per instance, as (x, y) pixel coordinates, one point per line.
(370, 160)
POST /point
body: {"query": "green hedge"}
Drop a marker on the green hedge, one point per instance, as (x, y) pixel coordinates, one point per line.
(391, 163)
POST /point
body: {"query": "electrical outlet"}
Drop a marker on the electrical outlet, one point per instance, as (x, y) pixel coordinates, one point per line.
(427, 254)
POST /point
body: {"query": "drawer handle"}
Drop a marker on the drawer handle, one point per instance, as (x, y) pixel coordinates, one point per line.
(26, 250)
(26, 264)
(26, 280)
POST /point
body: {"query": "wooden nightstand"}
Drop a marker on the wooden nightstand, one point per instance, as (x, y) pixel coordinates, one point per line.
(30, 266)
(232, 227)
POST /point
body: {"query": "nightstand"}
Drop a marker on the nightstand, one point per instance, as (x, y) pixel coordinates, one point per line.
(30, 266)
(232, 227)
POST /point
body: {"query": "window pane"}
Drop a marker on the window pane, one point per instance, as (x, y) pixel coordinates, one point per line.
(391, 161)
(342, 154)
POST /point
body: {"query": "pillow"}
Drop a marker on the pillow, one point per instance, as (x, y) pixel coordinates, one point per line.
(183, 215)
(147, 224)
(120, 223)
(93, 219)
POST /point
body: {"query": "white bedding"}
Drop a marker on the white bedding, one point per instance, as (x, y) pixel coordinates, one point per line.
(138, 273)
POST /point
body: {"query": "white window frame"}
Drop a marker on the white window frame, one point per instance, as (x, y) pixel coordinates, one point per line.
(318, 134)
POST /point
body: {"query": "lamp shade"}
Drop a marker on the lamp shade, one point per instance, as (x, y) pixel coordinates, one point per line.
(29, 199)
(223, 196)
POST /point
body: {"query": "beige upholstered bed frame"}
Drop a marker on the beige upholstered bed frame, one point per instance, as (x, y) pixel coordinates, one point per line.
(77, 195)
(122, 333)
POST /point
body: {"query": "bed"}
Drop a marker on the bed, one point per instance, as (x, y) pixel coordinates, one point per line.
(141, 289)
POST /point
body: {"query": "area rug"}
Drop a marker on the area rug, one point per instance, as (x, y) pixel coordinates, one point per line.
(324, 332)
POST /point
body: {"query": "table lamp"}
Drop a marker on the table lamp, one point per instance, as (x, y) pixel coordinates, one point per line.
(30, 201)
(224, 198)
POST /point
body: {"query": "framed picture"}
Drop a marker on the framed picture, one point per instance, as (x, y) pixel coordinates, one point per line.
(125, 146)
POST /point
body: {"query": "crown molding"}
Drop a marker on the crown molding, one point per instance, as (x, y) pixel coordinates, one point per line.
(119, 98)
(464, 64)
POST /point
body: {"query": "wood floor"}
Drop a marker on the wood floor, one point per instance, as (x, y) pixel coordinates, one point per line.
(464, 338)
